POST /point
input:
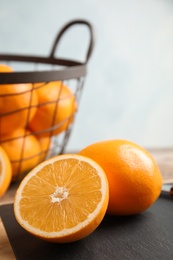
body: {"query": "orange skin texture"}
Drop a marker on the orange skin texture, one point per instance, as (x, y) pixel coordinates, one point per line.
(57, 105)
(5, 68)
(18, 105)
(134, 178)
(15, 101)
(13, 144)
(8, 172)
(46, 145)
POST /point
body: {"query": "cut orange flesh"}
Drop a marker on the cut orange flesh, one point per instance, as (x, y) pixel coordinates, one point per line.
(63, 199)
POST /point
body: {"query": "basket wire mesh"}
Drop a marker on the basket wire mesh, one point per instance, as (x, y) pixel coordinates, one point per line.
(67, 72)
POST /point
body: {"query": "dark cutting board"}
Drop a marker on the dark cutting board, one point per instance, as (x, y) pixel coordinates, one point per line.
(147, 236)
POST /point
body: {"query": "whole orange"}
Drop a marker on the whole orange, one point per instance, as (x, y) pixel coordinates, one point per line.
(5, 172)
(23, 150)
(56, 109)
(5, 68)
(45, 145)
(134, 178)
(18, 104)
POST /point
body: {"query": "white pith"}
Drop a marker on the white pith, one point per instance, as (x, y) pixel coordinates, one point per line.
(61, 193)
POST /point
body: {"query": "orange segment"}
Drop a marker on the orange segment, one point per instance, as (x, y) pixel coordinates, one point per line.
(63, 199)
(5, 172)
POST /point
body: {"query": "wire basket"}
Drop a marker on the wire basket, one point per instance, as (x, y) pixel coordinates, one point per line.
(62, 74)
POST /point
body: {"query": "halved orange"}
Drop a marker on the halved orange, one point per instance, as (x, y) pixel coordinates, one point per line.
(63, 199)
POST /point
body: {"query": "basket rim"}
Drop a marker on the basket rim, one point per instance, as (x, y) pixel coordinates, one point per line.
(72, 69)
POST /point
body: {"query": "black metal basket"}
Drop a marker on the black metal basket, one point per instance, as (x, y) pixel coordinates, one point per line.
(72, 73)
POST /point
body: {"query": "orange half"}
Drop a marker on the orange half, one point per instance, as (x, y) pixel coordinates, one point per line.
(63, 199)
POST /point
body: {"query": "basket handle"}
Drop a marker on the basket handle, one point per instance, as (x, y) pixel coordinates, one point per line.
(64, 29)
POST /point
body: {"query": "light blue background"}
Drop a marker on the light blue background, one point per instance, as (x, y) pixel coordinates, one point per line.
(129, 89)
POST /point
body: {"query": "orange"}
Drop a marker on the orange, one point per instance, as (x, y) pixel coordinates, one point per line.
(5, 68)
(23, 150)
(18, 104)
(63, 199)
(5, 172)
(134, 178)
(57, 106)
(46, 146)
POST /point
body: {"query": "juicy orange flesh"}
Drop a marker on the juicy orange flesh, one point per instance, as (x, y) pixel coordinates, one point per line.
(60, 196)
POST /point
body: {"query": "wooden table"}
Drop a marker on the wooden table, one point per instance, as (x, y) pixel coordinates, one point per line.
(164, 158)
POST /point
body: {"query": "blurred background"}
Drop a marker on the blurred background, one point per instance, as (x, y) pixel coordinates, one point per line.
(128, 91)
